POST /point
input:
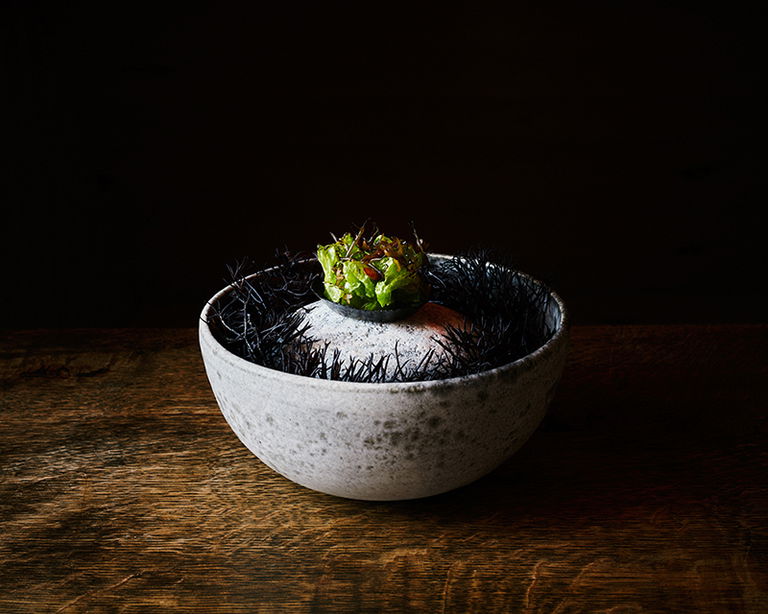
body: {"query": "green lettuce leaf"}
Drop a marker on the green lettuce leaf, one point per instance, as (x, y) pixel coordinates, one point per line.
(328, 258)
(378, 273)
(400, 285)
(358, 287)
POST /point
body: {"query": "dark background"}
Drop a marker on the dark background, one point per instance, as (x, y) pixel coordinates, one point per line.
(616, 151)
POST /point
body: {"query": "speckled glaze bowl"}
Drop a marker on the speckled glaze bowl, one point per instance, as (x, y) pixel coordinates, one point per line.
(385, 441)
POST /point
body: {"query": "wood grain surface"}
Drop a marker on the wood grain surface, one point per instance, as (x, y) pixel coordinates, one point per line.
(122, 489)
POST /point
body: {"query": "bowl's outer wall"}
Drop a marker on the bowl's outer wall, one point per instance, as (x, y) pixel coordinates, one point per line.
(376, 442)
(384, 441)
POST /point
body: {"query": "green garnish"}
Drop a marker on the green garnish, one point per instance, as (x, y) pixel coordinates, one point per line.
(376, 273)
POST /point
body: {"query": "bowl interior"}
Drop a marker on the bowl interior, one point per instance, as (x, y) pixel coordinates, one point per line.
(555, 316)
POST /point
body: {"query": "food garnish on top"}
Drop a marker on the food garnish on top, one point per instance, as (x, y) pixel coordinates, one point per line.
(378, 272)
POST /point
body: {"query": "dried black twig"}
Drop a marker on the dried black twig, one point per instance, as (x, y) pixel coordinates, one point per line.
(259, 319)
(507, 311)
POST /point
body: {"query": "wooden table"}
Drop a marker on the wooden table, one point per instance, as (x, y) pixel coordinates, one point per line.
(645, 490)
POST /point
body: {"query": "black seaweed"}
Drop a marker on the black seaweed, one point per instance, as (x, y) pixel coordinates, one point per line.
(507, 317)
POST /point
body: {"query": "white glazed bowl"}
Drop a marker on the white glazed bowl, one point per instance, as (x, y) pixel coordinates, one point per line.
(385, 441)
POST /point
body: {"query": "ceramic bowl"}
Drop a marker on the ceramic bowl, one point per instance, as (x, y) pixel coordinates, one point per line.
(385, 441)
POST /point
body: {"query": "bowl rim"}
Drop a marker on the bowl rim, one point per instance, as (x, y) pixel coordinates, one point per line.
(205, 335)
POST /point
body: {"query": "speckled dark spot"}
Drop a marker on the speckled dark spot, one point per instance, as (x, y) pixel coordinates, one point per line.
(395, 436)
(444, 403)
(389, 424)
(369, 442)
(434, 421)
(441, 391)
(341, 414)
(269, 419)
(322, 436)
(410, 456)
(377, 422)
